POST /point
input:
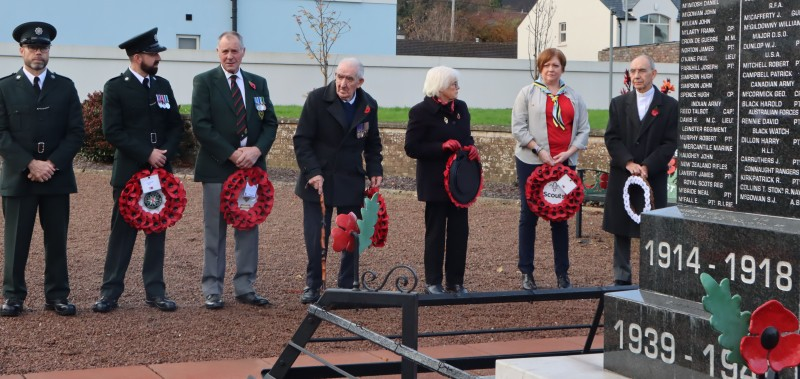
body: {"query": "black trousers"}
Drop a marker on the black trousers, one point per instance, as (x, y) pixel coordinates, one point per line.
(446, 235)
(312, 232)
(118, 257)
(20, 216)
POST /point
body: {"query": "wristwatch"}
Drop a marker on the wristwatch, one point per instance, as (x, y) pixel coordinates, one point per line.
(537, 149)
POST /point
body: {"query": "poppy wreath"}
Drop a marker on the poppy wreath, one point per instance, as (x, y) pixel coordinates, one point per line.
(245, 219)
(455, 202)
(534, 193)
(626, 197)
(382, 225)
(172, 194)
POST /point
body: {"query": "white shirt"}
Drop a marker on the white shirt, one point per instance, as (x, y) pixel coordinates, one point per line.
(643, 101)
(31, 76)
(141, 78)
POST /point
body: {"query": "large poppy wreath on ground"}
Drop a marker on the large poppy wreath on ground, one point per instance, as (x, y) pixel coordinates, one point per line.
(545, 197)
(382, 225)
(244, 212)
(626, 197)
(154, 211)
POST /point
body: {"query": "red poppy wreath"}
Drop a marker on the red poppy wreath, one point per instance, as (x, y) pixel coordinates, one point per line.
(547, 198)
(382, 225)
(153, 211)
(242, 208)
(463, 179)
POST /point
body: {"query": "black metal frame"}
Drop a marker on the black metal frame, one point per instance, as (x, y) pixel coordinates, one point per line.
(412, 360)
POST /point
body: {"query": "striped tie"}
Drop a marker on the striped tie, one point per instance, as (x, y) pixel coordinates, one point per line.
(238, 106)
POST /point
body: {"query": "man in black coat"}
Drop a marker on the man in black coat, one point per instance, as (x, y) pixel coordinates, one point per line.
(141, 120)
(641, 138)
(338, 128)
(41, 130)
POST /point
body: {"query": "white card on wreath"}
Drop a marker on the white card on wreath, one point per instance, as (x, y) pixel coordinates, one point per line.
(150, 183)
(250, 191)
(566, 184)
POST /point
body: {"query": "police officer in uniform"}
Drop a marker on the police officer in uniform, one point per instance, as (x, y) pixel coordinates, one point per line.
(41, 130)
(141, 120)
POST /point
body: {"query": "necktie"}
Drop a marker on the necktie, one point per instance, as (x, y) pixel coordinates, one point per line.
(36, 89)
(146, 83)
(238, 106)
(554, 97)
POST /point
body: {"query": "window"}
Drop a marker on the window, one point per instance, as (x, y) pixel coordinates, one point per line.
(653, 28)
(562, 32)
(189, 42)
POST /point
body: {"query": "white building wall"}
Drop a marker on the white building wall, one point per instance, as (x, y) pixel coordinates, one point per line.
(662, 7)
(395, 81)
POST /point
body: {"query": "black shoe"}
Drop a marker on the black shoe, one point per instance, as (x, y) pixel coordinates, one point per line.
(457, 289)
(528, 283)
(434, 289)
(62, 307)
(214, 302)
(11, 308)
(310, 295)
(163, 303)
(105, 305)
(563, 281)
(622, 283)
(253, 299)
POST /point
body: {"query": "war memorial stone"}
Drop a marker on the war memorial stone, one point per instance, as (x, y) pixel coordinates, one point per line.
(738, 193)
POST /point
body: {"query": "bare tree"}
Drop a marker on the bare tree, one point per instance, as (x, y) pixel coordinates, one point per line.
(430, 23)
(539, 38)
(324, 28)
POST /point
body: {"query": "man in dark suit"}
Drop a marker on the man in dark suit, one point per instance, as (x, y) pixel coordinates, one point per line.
(235, 132)
(641, 137)
(41, 130)
(338, 128)
(141, 120)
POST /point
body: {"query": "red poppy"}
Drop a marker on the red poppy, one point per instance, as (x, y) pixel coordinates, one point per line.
(367, 109)
(342, 235)
(773, 341)
(667, 87)
(654, 112)
(672, 166)
(252, 85)
(604, 180)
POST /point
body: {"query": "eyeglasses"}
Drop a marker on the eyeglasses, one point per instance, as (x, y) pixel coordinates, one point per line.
(41, 48)
(454, 84)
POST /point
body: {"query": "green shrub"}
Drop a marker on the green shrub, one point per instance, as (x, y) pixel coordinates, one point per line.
(95, 147)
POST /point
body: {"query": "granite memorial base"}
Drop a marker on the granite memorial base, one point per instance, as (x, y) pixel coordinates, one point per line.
(662, 330)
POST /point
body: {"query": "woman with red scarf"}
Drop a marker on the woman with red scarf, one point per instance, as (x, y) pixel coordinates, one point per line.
(437, 127)
(550, 123)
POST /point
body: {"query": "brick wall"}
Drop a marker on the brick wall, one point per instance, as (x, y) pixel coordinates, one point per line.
(496, 147)
(667, 52)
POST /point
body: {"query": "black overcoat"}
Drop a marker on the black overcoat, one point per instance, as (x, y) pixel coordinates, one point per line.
(429, 125)
(650, 142)
(325, 144)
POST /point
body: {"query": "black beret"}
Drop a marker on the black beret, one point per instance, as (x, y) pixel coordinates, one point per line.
(34, 33)
(146, 42)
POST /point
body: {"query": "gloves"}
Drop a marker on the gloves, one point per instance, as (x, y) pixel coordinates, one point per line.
(473, 152)
(451, 145)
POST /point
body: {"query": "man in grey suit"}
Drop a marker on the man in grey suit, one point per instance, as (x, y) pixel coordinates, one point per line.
(235, 123)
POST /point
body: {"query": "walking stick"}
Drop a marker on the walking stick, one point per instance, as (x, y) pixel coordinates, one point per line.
(324, 251)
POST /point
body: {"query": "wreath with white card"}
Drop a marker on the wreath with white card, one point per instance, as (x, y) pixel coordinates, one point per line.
(626, 197)
(554, 193)
(152, 200)
(247, 197)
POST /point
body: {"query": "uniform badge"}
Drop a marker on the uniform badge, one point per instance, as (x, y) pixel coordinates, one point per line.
(362, 129)
(38, 31)
(261, 106)
(163, 101)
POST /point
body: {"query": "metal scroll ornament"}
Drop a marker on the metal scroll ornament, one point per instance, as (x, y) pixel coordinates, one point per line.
(403, 282)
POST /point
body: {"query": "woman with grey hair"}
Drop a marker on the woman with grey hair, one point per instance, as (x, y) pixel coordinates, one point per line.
(438, 127)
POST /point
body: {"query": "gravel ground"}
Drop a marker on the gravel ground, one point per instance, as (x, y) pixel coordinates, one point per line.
(136, 334)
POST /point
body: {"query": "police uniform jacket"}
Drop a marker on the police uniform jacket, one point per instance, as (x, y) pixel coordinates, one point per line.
(214, 123)
(430, 124)
(326, 144)
(136, 120)
(650, 142)
(49, 127)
